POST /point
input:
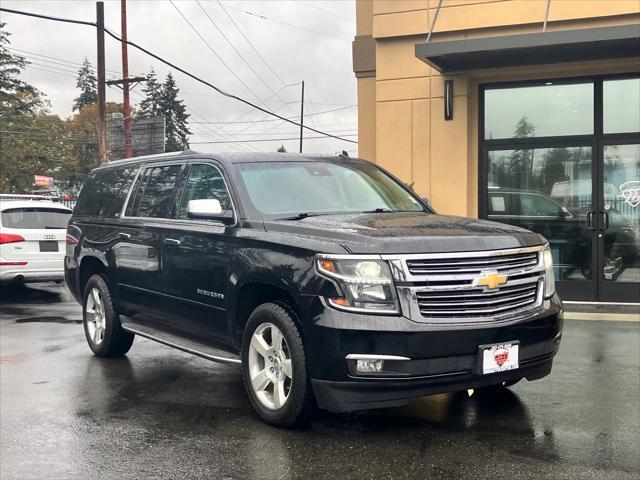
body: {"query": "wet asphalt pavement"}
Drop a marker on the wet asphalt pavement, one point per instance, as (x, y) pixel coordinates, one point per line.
(160, 413)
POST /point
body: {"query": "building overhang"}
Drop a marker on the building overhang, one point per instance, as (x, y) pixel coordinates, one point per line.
(532, 48)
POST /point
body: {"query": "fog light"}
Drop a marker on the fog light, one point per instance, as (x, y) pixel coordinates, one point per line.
(369, 366)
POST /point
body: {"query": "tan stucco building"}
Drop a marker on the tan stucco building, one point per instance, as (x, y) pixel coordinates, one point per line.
(501, 55)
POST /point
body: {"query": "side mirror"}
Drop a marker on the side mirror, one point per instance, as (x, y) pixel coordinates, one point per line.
(208, 208)
(565, 213)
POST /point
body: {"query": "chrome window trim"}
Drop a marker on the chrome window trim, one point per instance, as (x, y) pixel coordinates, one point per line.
(181, 220)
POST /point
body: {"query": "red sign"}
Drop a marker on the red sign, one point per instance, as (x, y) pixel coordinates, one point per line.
(43, 181)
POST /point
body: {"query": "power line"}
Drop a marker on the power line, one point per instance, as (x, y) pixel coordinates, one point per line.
(249, 42)
(236, 50)
(262, 17)
(213, 51)
(26, 53)
(175, 67)
(255, 140)
(333, 14)
(277, 120)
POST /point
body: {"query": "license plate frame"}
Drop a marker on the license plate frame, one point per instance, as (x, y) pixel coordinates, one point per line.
(490, 357)
(49, 246)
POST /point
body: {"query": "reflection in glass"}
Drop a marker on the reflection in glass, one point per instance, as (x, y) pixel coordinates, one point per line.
(621, 105)
(622, 205)
(548, 191)
(539, 111)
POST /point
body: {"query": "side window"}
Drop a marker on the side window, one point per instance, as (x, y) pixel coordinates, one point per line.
(536, 206)
(157, 196)
(136, 194)
(205, 182)
(104, 192)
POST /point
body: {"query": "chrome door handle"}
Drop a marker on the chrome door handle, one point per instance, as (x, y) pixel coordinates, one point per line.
(172, 242)
(125, 236)
(590, 221)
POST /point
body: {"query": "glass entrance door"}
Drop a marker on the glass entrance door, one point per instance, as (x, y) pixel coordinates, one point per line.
(562, 158)
(618, 221)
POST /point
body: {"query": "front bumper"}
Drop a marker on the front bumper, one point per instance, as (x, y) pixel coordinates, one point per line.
(441, 358)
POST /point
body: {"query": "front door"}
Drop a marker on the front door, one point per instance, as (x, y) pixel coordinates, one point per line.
(197, 260)
(618, 220)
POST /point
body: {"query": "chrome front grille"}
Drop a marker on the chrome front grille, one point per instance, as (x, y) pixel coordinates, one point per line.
(476, 302)
(472, 264)
(447, 288)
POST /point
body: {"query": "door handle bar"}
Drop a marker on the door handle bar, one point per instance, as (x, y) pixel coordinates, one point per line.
(605, 217)
(590, 220)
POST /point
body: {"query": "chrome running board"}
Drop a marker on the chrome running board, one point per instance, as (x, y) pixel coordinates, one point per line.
(195, 348)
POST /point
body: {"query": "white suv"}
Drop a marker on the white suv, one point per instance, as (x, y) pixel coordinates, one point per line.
(32, 240)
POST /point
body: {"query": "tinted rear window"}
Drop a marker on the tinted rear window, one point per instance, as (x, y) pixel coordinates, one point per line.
(105, 191)
(157, 197)
(35, 218)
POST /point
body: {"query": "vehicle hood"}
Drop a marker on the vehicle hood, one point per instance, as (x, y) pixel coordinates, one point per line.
(407, 232)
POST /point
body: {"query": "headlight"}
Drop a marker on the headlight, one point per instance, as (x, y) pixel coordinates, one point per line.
(549, 277)
(366, 285)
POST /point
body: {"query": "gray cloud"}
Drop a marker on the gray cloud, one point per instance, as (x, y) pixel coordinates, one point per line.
(323, 61)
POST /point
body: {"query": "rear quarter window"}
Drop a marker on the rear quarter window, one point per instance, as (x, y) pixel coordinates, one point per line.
(32, 218)
(105, 191)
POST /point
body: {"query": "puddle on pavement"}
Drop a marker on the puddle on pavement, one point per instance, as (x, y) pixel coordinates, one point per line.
(46, 319)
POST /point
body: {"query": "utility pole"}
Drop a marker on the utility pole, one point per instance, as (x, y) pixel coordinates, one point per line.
(125, 76)
(301, 115)
(102, 109)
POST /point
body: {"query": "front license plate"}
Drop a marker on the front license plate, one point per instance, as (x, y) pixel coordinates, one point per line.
(500, 357)
(48, 246)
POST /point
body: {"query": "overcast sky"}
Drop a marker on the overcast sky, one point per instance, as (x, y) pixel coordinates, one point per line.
(300, 40)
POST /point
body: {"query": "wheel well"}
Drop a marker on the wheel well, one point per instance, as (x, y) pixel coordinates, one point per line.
(89, 266)
(253, 294)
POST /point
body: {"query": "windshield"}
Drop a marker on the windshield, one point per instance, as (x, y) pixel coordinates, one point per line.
(35, 218)
(278, 188)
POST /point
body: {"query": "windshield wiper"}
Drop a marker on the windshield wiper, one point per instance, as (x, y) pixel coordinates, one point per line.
(301, 216)
(380, 210)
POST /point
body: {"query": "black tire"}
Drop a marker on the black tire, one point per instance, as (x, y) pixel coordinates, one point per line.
(300, 403)
(114, 341)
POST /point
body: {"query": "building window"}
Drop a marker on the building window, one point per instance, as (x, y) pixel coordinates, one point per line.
(539, 111)
(622, 105)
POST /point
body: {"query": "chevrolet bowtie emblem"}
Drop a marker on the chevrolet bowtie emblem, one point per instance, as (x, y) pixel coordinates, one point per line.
(490, 280)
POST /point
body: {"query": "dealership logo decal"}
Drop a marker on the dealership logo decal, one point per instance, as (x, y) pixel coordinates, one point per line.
(501, 356)
(490, 280)
(630, 191)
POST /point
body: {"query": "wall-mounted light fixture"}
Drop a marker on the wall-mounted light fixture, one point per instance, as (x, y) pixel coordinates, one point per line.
(448, 99)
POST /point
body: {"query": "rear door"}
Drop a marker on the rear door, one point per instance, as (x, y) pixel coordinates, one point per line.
(138, 252)
(197, 258)
(33, 236)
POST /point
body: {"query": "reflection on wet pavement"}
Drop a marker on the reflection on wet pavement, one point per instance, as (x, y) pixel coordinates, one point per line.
(164, 414)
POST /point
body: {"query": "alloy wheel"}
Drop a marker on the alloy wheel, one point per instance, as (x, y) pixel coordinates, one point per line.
(95, 317)
(270, 369)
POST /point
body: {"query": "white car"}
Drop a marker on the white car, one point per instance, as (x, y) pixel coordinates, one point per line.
(32, 240)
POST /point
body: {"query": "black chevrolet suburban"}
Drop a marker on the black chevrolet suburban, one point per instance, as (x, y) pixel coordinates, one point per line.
(326, 278)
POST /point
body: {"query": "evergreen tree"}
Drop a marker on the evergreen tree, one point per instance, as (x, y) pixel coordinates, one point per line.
(16, 96)
(87, 83)
(150, 106)
(521, 161)
(175, 117)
